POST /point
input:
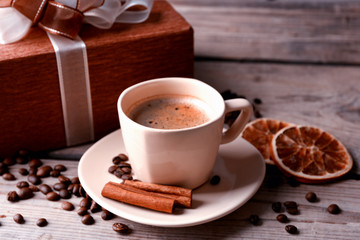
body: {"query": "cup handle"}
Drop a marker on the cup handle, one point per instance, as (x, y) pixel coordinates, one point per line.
(235, 129)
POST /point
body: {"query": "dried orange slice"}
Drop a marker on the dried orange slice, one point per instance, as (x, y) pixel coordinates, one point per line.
(309, 154)
(260, 133)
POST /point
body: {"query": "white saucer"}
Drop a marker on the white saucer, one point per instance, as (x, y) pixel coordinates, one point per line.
(240, 166)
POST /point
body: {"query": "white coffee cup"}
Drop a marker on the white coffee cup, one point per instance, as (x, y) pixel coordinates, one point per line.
(183, 157)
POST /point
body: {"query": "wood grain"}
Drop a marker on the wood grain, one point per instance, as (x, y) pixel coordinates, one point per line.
(283, 30)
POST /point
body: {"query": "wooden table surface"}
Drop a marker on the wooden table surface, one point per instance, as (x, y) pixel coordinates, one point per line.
(301, 59)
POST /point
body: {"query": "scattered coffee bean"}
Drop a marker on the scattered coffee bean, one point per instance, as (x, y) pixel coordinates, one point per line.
(18, 218)
(106, 215)
(21, 160)
(282, 218)
(45, 189)
(311, 197)
(85, 202)
(82, 211)
(257, 101)
(8, 177)
(25, 193)
(23, 153)
(292, 211)
(22, 184)
(76, 190)
(276, 207)
(126, 177)
(254, 219)
(124, 164)
(52, 196)
(68, 206)
(290, 204)
(64, 180)
(59, 186)
(116, 160)
(41, 222)
(75, 180)
(54, 173)
(32, 178)
(35, 162)
(44, 171)
(120, 228)
(87, 219)
(23, 171)
(112, 168)
(118, 172)
(95, 207)
(215, 180)
(60, 168)
(65, 194)
(333, 209)
(123, 157)
(82, 192)
(32, 170)
(12, 196)
(8, 161)
(291, 229)
(34, 188)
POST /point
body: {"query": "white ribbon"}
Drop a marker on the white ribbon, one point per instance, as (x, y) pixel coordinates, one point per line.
(72, 59)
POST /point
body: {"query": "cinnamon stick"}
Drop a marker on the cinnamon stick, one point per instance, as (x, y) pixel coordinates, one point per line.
(152, 187)
(138, 197)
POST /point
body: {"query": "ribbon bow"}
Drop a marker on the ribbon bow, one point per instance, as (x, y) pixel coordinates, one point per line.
(65, 17)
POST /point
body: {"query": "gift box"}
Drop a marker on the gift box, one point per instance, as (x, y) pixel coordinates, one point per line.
(31, 109)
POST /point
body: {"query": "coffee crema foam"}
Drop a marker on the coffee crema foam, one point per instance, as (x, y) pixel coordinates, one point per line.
(170, 112)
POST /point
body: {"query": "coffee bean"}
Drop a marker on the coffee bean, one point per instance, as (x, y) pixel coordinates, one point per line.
(126, 169)
(87, 219)
(12, 196)
(257, 101)
(21, 160)
(112, 168)
(106, 215)
(64, 180)
(34, 188)
(54, 173)
(22, 184)
(120, 228)
(8, 177)
(65, 194)
(94, 207)
(254, 219)
(292, 211)
(32, 178)
(124, 164)
(276, 207)
(44, 171)
(120, 158)
(41, 222)
(8, 161)
(45, 189)
(215, 180)
(82, 211)
(59, 186)
(25, 193)
(23, 171)
(35, 162)
(311, 197)
(60, 168)
(257, 114)
(282, 218)
(68, 206)
(18, 218)
(52, 196)
(86, 203)
(291, 229)
(290, 204)
(333, 209)
(123, 157)
(32, 170)
(116, 160)
(118, 172)
(76, 190)
(75, 180)
(82, 192)
(126, 177)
